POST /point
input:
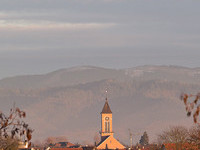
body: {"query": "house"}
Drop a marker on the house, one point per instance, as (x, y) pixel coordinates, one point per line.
(169, 146)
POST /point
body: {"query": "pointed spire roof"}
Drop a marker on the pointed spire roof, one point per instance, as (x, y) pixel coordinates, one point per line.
(106, 108)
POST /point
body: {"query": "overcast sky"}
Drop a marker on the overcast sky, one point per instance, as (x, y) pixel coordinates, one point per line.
(39, 36)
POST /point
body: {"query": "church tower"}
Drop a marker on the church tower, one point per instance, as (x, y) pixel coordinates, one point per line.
(106, 121)
(107, 139)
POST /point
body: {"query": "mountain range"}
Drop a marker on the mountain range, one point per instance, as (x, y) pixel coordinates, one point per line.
(68, 102)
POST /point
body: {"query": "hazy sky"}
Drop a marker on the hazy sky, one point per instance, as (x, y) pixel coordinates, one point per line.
(38, 36)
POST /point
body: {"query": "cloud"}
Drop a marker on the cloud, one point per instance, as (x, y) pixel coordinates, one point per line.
(46, 25)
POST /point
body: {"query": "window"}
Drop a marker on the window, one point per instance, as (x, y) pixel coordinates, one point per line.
(107, 127)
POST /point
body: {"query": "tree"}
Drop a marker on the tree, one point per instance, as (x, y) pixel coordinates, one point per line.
(12, 128)
(8, 143)
(144, 139)
(176, 135)
(163, 147)
(53, 140)
(38, 143)
(194, 135)
(191, 104)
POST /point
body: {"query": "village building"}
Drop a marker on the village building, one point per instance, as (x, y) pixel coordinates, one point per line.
(107, 139)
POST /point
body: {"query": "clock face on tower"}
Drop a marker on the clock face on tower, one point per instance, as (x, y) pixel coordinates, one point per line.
(106, 118)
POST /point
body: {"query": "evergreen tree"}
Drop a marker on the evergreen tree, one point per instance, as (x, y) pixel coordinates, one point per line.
(163, 147)
(144, 139)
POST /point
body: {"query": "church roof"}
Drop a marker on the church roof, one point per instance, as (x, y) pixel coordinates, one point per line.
(106, 108)
(110, 143)
(102, 140)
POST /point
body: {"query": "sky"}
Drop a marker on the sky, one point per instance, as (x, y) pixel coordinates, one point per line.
(40, 36)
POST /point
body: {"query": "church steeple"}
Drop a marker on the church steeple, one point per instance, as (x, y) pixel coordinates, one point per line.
(107, 139)
(106, 108)
(106, 121)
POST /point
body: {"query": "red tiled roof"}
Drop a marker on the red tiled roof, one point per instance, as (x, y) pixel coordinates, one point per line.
(184, 145)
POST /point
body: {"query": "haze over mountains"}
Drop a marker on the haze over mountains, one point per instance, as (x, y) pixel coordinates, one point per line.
(69, 101)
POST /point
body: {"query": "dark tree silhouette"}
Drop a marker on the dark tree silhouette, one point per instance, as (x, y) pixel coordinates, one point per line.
(191, 105)
(163, 147)
(144, 139)
(12, 127)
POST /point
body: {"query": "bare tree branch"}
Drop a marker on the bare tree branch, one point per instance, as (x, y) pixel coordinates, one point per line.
(191, 105)
(13, 127)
